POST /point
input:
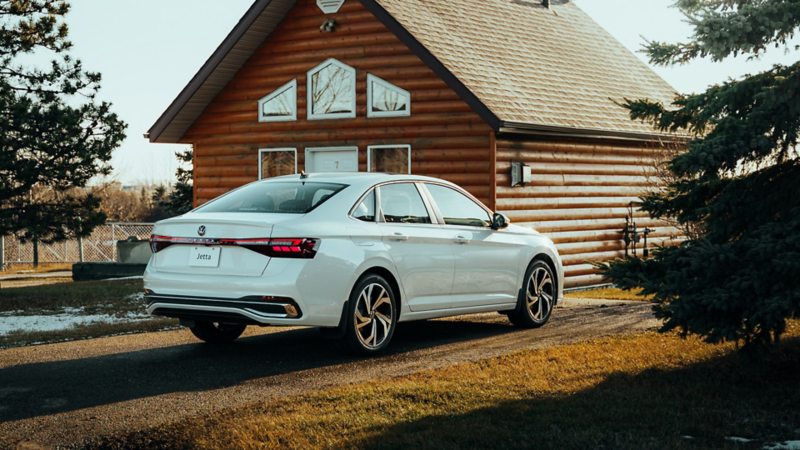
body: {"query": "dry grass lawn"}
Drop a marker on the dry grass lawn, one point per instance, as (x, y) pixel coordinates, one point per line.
(609, 293)
(648, 391)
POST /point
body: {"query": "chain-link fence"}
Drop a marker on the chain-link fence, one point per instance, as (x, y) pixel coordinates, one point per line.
(100, 246)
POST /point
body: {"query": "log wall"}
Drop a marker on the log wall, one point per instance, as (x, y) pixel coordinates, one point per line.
(579, 197)
(448, 140)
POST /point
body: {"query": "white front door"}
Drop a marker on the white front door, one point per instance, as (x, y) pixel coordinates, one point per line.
(336, 159)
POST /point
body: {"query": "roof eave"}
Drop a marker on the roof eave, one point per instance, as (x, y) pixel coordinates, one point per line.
(252, 14)
(510, 127)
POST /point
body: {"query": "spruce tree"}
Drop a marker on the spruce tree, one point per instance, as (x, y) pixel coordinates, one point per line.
(54, 136)
(739, 181)
(180, 199)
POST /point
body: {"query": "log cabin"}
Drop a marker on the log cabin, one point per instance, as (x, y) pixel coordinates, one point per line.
(514, 100)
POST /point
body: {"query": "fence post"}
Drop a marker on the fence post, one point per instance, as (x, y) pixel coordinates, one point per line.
(113, 243)
(80, 249)
(2, 253)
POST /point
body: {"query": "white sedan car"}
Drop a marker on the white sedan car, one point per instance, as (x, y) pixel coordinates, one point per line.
(353, 254)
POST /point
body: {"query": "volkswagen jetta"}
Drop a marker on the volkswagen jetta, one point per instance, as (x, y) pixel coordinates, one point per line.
(353, 254)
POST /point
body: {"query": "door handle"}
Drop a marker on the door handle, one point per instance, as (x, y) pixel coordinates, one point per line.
(398, 237)
(461, 240)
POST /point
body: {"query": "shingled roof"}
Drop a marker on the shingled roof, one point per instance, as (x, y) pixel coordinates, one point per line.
(520, 65)
(533, 65)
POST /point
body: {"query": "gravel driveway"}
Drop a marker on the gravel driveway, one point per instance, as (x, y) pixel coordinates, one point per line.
(71, 393)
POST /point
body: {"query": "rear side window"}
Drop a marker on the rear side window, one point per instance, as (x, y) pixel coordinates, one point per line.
(401, 203)
(292, 197)
(365, 211)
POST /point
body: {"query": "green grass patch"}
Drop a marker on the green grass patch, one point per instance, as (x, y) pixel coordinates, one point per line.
(120, 299)
(650, 391)
(610, 294)
(115, 297)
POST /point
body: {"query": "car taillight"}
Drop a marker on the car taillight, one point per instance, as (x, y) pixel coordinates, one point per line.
(274, 248)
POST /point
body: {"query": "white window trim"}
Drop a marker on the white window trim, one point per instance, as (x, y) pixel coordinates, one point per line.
(310, 150)
(290, 85)
(310, 90)
(371, 113)
(369, 154)
(261, 151)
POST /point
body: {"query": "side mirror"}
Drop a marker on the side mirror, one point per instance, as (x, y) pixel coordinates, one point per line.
(499, 221)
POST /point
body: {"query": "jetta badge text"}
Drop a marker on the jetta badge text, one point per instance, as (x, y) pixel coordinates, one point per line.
(202, 230)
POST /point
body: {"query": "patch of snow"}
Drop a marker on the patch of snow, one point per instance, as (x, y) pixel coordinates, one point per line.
(139, 296)
(64, 321)
(785, 445)
(738, 439)
(11, 313)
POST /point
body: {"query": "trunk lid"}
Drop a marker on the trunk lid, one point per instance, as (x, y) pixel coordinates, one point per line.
(229, 260)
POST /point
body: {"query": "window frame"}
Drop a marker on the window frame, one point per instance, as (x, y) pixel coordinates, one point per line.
(261, 151)
(440, 217)
(310, 91)
(376, 205)
(369, 154)
(292, 85)
(342, 148)
(387, 85)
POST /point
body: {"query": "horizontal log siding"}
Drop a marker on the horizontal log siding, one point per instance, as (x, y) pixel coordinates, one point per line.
(448, 140)
(578, 197)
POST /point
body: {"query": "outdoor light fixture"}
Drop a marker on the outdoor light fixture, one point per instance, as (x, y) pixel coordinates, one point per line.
(328, 26)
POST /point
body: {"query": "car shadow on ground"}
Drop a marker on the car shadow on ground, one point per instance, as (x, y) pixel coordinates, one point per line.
(699, 405)
(33, 390)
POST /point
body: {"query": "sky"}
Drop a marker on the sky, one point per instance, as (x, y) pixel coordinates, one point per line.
(148, 50)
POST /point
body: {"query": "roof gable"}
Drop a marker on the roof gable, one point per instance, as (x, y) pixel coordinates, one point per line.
(517, 64)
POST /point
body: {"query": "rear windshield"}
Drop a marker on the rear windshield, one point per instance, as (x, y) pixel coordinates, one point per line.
(291, 197)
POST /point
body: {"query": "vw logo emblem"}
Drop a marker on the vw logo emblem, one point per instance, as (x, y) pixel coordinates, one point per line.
(202, 230)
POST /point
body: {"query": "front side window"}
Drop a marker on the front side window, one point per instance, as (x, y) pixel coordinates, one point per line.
(389, 158)
(401, 203)
(332, 91)
(385, 99)
(365, 211)
(277, 162)
(281, 105)
(291, 197)
(457, 208)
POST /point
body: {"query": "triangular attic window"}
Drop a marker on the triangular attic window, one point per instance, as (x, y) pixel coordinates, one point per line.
(385, 99)
(281, 105)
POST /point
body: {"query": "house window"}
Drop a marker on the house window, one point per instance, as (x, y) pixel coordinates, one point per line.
(280, 105)
(389, 158)
(275, 162)
(385, 99)
(332, 91)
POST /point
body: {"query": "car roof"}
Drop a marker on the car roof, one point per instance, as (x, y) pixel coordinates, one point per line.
(355, 178)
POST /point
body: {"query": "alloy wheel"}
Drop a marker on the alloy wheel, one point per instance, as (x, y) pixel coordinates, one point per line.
(374, 314)
(539, 295)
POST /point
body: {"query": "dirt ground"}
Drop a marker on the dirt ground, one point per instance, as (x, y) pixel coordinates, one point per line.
(72, 393)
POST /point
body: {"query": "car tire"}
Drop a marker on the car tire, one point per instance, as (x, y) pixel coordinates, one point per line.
(217, 333)
(372, 317)
(537, 297)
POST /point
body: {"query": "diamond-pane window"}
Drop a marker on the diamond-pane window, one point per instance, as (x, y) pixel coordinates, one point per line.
(385, 99)
(280, 105)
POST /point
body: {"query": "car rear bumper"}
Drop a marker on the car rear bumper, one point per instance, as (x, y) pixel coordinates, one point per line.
(315, 289)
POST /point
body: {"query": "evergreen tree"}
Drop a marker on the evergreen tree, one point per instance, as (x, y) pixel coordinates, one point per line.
(54, 136)
(739, 180)
(180, 199)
